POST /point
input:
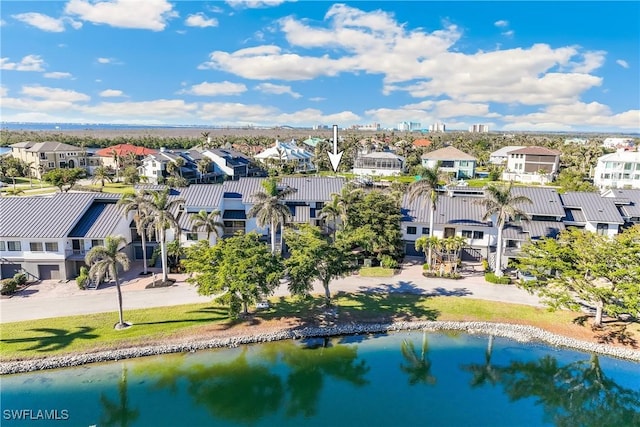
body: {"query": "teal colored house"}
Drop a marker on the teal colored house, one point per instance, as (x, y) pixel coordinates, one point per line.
(451, 160)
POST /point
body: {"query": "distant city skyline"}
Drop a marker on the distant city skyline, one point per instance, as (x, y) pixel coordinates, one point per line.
(511, 66)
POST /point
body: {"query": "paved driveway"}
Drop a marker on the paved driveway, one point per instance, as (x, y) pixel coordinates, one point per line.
(52, 299)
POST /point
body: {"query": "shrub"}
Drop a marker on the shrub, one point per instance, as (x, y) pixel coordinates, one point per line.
(20, 278)
(387, 261)
(83, 277)
(485, 264)
(492, 278)
(9, 286)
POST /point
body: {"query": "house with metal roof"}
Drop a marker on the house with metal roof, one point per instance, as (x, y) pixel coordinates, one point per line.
(532, 165)
(627, 202)
(499, 157)
(457, 163)
(592, 212)
(154, 166)
(50, 242)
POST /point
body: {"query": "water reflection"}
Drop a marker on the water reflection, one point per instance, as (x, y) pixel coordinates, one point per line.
(247, 391)
(576, 394)
(118, 413)
(418, 366)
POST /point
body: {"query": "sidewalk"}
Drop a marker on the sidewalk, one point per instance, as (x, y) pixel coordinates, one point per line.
(53, 299)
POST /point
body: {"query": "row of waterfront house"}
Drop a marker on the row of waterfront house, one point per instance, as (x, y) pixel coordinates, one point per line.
(48, 236)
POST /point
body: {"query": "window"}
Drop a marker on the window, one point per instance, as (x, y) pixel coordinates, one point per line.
(192, 236)
(43, 155)
(35, 246)
(425, 230)
(61, 155)
(412, 230)
(51, 246)
(2, 246)
(467, 234)
(14, 246)
(478, 234)
(52, 165)
(96, 242)
(602, 228)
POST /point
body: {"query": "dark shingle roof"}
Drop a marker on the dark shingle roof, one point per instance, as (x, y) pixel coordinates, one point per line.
(594, 207)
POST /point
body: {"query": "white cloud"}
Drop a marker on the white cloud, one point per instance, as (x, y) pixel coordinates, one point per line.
(111, 93)
(51, 93)
(149, 14)
(216, 89)
(509, 33)
(622, 63)
(317, 99)
(255, 4)
(57, 75)
(277, 89)
(106, 60)
(200, 20)
(40, 21)
(501, 23)
(3, 91)
(168, 108)
(27, 63)
(590, 61)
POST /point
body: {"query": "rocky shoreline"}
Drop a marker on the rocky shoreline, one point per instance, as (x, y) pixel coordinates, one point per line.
(516, 332)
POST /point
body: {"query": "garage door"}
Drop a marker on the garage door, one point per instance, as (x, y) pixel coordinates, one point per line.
(49, 272)
(410, 250)
(9, 270)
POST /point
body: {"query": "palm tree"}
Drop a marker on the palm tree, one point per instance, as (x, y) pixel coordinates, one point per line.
(30, 169)
(203, 167)
(161, 206)
(427, 186)
(500, 202)
(101, 174)
(136, 203)
(106, 259)
(116, 161)
(207, 221)
(268, 209)
(332, 211)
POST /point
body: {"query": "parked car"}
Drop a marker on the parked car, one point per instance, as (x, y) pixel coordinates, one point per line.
(262, 305)
(526, 276)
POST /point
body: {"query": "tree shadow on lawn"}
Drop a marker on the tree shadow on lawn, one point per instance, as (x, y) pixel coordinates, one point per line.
(386, 307)
(57, 340)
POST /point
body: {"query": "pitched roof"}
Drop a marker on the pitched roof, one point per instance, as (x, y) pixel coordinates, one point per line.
(627, 200)
(449, 210)
(594, 207)
(123, 150)
(313, 189)
(448, 153)
(99, 221)
(534, 230)
(421, 142)
(537, 151)
(48, 216)
(621, 156)
(49, 146)
(202, 196)
(502, 152)
(546, 201)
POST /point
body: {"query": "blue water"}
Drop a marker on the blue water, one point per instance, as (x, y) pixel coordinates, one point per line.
(403, 379)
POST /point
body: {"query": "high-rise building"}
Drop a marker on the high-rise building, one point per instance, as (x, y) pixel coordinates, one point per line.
(478, 128)
(408, 126)
(437, 127)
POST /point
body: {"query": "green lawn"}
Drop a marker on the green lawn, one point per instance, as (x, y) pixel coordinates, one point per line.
(376, 272)
(113, 187)
(40, 338)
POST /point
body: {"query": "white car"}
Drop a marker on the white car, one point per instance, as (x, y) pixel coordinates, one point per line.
(262, 305)
(526, 276)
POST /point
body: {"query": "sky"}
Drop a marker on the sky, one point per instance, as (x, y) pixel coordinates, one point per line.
(514, 66)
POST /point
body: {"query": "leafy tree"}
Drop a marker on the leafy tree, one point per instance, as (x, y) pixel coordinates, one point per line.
(427, 186)
(106, 260)
(313, 256)
(238, 271)
(574, 180)
(136, 203)
(373, 221)
(160, 207)
(269, 209)
(64, 179)
(131, 175)
(501, 203)
(175, 251)
(581, 266)
(209, 222)
(12, 173)
(101, 174)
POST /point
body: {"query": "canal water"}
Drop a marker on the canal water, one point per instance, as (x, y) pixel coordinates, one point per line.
(400, 379)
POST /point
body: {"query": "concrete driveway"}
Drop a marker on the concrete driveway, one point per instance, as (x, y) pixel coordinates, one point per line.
(53, 299)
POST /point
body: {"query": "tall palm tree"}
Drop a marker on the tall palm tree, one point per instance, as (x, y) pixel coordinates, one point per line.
(30, 168)
(268, 208)
(333, 211)
(117, 161)
(161, 206)
(203, 167)
(427, 186)
(207, 221)
(499, 202)
(106, 259)
(136, 203)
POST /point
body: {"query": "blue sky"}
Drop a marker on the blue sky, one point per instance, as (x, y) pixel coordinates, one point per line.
(520, 66)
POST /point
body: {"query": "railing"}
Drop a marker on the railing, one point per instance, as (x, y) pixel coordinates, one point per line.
(77, 252)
